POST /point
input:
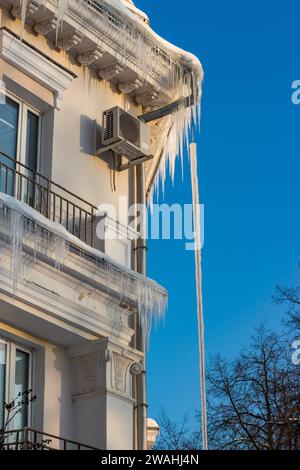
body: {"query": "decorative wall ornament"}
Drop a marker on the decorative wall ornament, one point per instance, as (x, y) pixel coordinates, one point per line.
(45, 27)
(136, 368)
(110, 72)
(131, 85)
(147, 98)
(121, 364)
(31, 8)
(118, 321)
(89, 57)
(69, 41)
(95, 367)
(87, 367)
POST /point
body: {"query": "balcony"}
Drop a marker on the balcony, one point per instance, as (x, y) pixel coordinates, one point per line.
(30, 439)
(46, 228)
(48, 198)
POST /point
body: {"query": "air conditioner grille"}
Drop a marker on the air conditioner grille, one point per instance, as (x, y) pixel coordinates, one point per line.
(128, 151)
(109, 125)
(130, 129)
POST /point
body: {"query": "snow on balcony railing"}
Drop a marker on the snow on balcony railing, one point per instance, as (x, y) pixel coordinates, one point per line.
(25, 230)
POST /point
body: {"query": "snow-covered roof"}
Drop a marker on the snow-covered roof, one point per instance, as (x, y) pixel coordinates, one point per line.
(131, 6)
(134, 15)
(133, 56)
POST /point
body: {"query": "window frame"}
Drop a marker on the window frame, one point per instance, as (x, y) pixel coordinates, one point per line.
(11, 348)
(7, 375)
(24, 108)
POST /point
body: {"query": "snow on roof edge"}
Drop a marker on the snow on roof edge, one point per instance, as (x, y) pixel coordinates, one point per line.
(186, 58)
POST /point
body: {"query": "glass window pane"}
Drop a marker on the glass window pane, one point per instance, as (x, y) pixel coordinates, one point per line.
(9, 119)
(2, 382)
(21, 385)
(32, 140)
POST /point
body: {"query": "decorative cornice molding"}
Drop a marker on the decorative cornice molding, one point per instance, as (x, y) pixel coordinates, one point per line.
(35, 65)
(67, 42)
(31, 8)
(131, 85)
(110, 72)
(45, 27)
(147, 98)
(89, 57)
(59, 308)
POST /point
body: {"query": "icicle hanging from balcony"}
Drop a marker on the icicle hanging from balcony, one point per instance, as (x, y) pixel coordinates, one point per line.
(28, 232)
(16, 234)
(18, 230)
(62, 7)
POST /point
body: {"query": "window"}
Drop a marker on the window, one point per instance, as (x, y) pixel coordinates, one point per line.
(2, 381)
(19, 139)
(15, 378)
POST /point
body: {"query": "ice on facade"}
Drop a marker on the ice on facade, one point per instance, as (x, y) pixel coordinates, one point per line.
(23, 226)
(186, 76)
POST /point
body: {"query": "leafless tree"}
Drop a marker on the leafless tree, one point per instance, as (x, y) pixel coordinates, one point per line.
(255, 399)
(177, 435)
(12, 409)
(289, 297)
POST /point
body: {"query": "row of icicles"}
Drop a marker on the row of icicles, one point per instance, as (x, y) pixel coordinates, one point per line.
(24, 232)
(183, 82)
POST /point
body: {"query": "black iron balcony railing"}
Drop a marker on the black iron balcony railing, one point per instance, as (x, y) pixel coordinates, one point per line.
(30, 439)
(48, 198)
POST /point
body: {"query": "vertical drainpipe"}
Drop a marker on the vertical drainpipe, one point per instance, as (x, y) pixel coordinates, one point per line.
(141, 252)
(133, 200)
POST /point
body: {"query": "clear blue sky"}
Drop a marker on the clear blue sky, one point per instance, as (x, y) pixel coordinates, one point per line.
(249, 172)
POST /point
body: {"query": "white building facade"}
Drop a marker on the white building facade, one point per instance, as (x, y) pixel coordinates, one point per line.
(75, 310)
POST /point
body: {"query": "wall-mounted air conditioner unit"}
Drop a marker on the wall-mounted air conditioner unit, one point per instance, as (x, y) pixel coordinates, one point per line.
(126, 135)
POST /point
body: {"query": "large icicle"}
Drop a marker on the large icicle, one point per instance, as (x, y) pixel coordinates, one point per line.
(16, 233)
(62, 8)
(24, 4)
(176, 132)
(197, 230)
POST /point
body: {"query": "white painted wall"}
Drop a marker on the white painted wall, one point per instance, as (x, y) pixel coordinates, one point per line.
(77, 126)
(119, 424)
